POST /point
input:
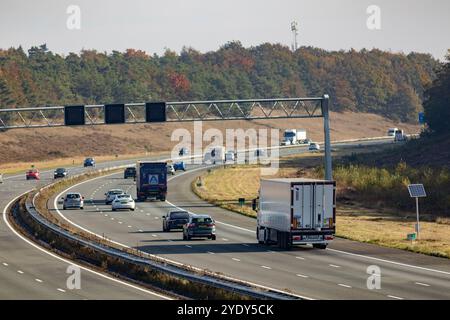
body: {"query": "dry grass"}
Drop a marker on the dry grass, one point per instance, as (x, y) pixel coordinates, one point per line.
(22, 147)
(383, 227)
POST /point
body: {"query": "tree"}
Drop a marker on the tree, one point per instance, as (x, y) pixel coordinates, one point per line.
(437, 101)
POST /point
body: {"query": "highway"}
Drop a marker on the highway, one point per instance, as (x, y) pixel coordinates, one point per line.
(339, 272)
(29, 272)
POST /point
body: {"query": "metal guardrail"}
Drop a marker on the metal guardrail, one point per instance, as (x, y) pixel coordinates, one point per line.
(217, 281)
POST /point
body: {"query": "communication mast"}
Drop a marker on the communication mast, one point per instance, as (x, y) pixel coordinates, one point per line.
(294, 29)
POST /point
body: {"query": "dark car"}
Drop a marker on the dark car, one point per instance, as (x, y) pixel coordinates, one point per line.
(199, 226)
(60, 173)
(175, 220)
(129, 172)
(89, 162)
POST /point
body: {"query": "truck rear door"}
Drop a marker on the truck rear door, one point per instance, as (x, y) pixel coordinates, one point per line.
(303, 207)
(324, 205)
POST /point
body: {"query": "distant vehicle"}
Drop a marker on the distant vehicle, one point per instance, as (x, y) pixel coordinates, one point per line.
(260, 153)
(129, 172)
(296, 211)
(391, 132)
(33, 174)
(183, 151)
(151, 180)
(314, 146)
(199, 226)
(1, 177)
(123, 201)
(229, 156)
(175, 220)
(60, 173)
(293, 136)
(400, 136)
(215, 155)
(89, 162)
(170, 169)
(179, 166)
(73, 200)
(111, 195)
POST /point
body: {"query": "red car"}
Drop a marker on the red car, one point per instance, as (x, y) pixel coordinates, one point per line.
(33, 174)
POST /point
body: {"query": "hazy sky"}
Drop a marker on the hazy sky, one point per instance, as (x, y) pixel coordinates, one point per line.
(406, 25)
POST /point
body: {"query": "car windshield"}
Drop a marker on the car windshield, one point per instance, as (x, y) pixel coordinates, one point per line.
(130, 169)
(202, 220)
(121, 196)
(60, 170)
(179, 215)
(72, 196)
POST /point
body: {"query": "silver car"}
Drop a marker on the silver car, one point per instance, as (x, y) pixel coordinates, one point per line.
(111, 195)
(73, 200)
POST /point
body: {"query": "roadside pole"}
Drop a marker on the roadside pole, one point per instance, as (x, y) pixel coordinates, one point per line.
(417, 191)
(326, 128)
(417, 212)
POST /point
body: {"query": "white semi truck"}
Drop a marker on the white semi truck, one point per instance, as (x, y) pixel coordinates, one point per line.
(296, 211)
(214, 155)
(293, 136)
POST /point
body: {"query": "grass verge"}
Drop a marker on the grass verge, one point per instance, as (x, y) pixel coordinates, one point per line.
(381, 225)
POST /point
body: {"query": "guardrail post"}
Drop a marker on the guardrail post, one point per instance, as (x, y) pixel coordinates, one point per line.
(326, 128)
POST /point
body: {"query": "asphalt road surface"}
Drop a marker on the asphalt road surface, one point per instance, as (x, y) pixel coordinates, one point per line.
(340, 272)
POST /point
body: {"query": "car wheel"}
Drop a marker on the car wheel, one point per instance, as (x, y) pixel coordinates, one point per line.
(213, 237)
(184, 236)
(114, 209)
(132, 209)
(64, 208)
(82, 208)
(319, 246)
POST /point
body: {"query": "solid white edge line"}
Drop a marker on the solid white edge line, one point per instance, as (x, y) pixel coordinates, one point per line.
(159, 257)
(68, 261)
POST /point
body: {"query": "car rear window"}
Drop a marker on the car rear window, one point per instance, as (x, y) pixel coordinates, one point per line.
(73, 196)
(179, 215)
(202, 220)
(116, 192)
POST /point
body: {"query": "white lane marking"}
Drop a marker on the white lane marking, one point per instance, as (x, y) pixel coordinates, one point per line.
(328, 249)
(422, 284)
(129, 226)
(266, 267)
(210, 252)
(344, 285)
(156, 256)
(106, 215)
(302, 275)
(5, 264)
(154, 235)
(236, 259)
(112, 218)
(38, 280)
(224, 239)
(148, 214)
(156, 218)
(300, 258)
(5, 210)
(61, 290)
(141, 230)
(245, 245)
(20, 271)
(270, 251)
(395, 297)
(188, 246)
(334, 266)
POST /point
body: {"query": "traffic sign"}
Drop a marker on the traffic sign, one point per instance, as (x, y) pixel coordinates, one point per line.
(74, 116)
(411, 236)
(114, 113)
(153, 179)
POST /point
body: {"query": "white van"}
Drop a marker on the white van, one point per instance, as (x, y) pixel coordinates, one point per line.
(391, 132)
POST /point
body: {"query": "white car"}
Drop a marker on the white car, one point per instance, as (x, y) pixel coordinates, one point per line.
(170, 169)
(111, 194)
(314, 146)
(123, 201)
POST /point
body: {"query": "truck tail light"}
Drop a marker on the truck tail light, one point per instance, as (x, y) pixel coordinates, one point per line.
(297, 238)
(191, 225)
(329, 237)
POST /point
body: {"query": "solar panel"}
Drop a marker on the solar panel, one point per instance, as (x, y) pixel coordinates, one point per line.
(416, 190)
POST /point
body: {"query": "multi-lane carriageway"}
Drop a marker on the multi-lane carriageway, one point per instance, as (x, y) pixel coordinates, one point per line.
(339, 272)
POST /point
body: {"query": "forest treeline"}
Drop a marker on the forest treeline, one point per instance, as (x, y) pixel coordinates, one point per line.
(389, 84)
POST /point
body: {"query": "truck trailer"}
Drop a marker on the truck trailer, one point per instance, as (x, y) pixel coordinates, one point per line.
(296, 211)
(151, 180)
(293, 136)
